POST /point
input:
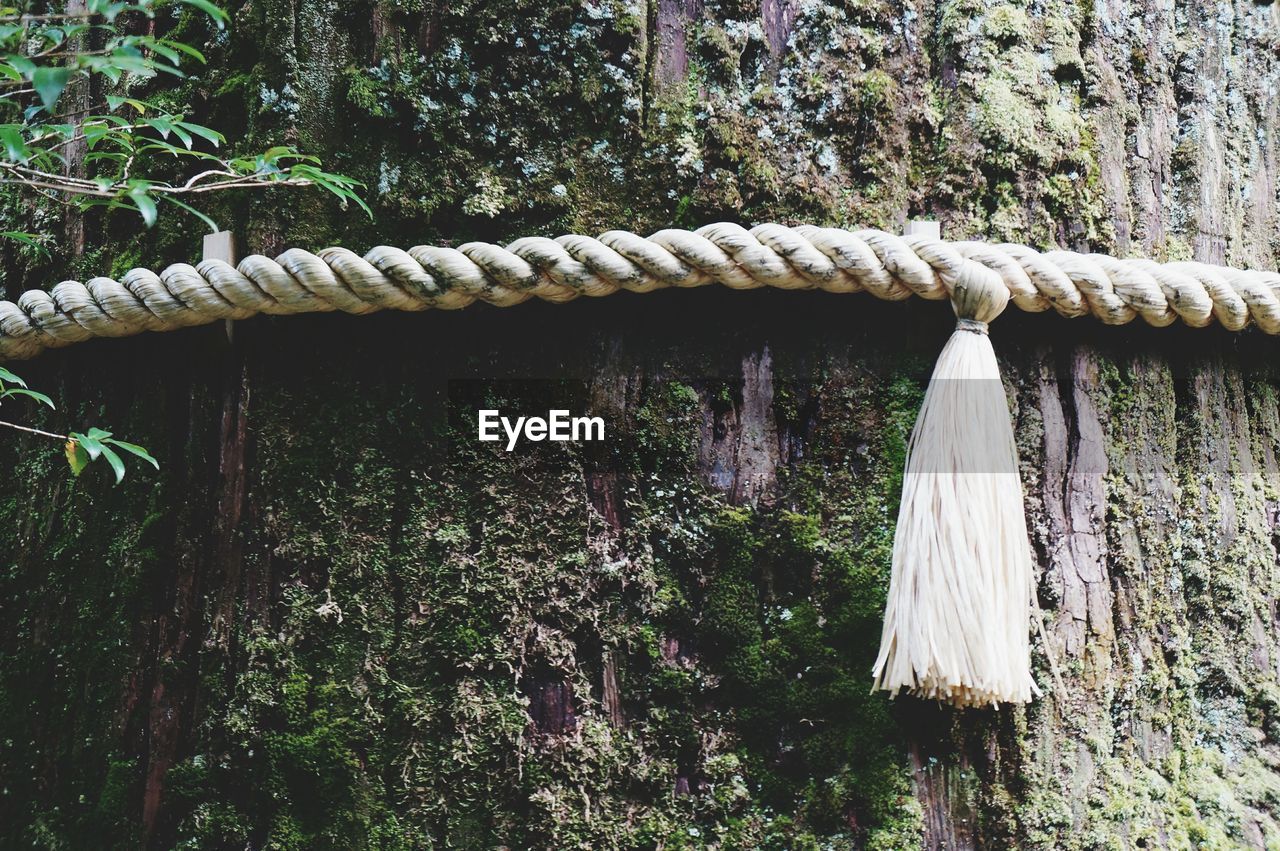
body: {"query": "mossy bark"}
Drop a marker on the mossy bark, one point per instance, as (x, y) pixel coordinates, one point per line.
(334, 619)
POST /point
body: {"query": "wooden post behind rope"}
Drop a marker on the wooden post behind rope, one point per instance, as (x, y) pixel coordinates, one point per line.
(221, 245)
(921, 227)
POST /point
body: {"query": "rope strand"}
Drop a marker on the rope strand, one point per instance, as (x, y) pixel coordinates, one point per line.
(889, 267)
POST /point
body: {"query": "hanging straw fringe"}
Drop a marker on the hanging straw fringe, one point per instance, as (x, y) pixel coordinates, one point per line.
(961, 589)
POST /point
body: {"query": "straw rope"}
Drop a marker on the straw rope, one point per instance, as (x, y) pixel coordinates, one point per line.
(889, 267)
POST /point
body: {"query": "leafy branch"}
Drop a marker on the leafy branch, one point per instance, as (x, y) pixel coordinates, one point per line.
(81, 448)
(117, 141)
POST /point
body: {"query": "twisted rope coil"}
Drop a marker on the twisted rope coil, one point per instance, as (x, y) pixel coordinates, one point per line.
(557, 270)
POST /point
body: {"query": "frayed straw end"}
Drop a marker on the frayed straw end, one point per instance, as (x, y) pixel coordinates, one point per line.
(961, 591)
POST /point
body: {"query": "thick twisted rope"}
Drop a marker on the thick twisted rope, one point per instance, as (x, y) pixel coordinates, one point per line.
(889, 267)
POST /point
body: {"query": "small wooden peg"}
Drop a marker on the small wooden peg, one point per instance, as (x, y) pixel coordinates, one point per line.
(221, 245)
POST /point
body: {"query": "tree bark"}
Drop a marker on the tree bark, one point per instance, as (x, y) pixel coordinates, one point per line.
(335, 619)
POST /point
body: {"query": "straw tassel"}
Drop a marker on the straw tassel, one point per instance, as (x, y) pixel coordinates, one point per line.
(961, 590)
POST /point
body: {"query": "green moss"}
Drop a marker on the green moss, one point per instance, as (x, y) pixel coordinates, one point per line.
(1007, 24)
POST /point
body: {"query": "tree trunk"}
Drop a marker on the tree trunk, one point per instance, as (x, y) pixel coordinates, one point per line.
(336, 619)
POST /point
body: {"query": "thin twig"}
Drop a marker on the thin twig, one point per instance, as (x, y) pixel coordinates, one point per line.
(34, 431)
(64, 16)
(38, 179)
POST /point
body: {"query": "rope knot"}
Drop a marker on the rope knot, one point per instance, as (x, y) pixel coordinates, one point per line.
(978, 294)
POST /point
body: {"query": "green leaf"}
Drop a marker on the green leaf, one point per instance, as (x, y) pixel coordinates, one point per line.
(116, 464)
(160, 124)
(76, 456)
(135, 450)
(97, 433)
(182, 47)
(89, 444)
(114, 9)
(209, 9)
(126, 59)
(212, 136)
(31, 394)
(53, 35)
(177, 130)
(22, 65)
(279, 151)
(49, 83)
(146, 205)
(155, 145)
(213, 226)
(105, 156)
(115, 102)
(30, 239)
(9, 377)
(104, 67)
(15, 147)
(340, 185)
(167, 52)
